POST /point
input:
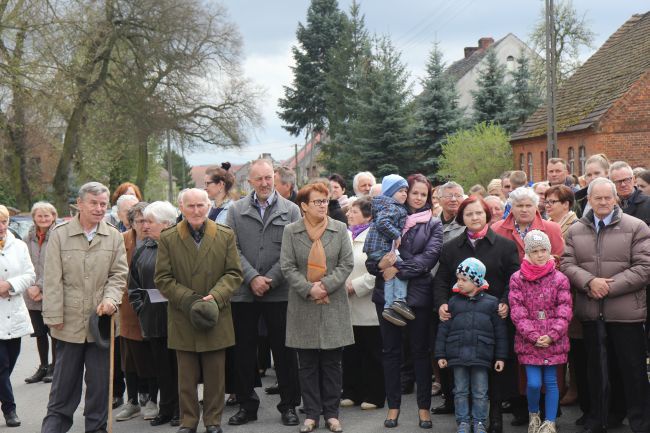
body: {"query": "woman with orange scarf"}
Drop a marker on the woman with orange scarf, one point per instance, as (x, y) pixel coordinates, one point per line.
(316, 260)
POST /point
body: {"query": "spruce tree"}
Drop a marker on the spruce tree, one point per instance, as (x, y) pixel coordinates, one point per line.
(491, 98)
(437, 112)
(303, 107)
(524, 97)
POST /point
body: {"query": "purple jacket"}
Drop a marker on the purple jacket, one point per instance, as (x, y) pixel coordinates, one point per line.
(419, 249)
(541, 307)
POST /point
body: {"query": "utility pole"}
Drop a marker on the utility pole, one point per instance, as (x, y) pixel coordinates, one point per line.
(551, 82)
(295, 153)
(170, 196)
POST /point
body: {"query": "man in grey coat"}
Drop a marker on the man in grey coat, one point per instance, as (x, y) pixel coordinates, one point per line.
(258, 221)
(607, 260)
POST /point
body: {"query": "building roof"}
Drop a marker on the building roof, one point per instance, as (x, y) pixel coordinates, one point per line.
(459, 68)
(303, 152)
(592, 90)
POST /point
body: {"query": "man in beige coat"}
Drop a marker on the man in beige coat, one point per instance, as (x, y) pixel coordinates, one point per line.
(85, 272)
(607, 260)
(197, 264)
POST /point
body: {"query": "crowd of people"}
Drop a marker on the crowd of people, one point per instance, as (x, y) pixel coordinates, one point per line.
(516, 297)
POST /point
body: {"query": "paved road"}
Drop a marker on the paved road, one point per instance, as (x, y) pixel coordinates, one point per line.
(32, 402)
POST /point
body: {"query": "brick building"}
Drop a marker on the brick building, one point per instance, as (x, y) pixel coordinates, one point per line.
(603, 108)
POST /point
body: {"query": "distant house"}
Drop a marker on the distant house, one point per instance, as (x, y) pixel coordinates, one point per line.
(466, 71)
(603, 108)
(306, 164)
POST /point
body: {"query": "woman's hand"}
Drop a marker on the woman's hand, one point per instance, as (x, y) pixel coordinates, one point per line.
(389, 273)
(349, 288)
(388, 260)
(503, 310)
(443, 313)
(317, 290)
(442, 363)
(34, 293)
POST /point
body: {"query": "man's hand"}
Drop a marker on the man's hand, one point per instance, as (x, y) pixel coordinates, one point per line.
(4, 289)
(387, 261)
(58, 326)
(208, 298)
(318, 291)
(599, 287)
(442, 363)
(260, 285)
(498, 366)
(503, 310)
(389, 273)
(443, 313)
(106, 308)
(34, 293)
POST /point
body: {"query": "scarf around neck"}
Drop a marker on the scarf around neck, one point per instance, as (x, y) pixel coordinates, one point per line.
(533, 272)
(416, 218)
(478, 235)
(358, 229)
(317, 261)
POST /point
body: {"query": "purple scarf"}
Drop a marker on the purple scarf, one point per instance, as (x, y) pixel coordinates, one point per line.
(358, 229)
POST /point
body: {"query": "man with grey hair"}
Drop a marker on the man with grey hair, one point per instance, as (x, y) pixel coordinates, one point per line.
(631, 200)
(85, 273)
(258, 221)
(607, 260)
(362, 182)
(197, 270)
(285, 182)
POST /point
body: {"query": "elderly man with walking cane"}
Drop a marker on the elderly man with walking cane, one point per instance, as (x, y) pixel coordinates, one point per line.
(85, 273)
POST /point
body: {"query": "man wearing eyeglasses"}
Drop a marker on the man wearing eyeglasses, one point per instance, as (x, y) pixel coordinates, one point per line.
(258, 221)
(632, 200)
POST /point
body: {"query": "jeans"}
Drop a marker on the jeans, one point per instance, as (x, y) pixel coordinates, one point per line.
(534, 375)
(394, 289)
(476, 379)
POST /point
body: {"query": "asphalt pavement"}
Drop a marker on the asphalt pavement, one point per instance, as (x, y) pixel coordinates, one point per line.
(31, 400)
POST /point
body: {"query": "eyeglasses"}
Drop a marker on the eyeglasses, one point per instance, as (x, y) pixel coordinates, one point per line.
(321, 202)
(622, 181)
(209, 182)
(452, 196)
(548, 202)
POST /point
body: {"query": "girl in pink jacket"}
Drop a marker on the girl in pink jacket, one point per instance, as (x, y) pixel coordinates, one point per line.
(541, 309)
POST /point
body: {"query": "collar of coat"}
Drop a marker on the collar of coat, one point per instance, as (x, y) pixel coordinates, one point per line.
(588, 218)
(490, 236)
(280, 206)
(75, 228)
(183, 229)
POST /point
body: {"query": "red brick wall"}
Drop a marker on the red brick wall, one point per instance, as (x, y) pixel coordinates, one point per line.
(623, 133)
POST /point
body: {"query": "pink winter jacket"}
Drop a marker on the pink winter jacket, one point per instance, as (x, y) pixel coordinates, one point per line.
(531, 301)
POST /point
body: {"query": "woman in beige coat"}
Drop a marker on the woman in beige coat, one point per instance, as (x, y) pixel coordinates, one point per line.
(316, 259)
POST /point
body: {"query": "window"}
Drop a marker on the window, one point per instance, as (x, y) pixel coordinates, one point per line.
(521, 161)
(530, 167)
(572, 160)
(582, 157)
(510, 63)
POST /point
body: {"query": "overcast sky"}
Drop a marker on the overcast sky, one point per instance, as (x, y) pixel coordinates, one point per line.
(268, 29)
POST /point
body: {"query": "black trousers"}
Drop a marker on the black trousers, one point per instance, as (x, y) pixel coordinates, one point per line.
(65, 394)
(578, 358)
(321, 378)
(418, 331)
(246, 317)
(166, 369)
(627, 343)
(363, 375)
(9, 351)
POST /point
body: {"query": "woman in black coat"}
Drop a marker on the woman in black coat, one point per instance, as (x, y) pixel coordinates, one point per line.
(419, 250)
(501, 261)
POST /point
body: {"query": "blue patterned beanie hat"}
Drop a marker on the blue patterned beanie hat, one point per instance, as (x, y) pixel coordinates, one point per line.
(473, 269)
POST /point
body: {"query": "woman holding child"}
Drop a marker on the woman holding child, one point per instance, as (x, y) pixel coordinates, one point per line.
(501, 260)
(419, 249)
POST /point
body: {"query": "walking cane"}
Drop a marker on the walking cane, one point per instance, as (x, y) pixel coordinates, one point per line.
(111, 364)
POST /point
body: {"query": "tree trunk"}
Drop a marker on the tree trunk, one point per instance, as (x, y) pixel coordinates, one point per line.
(143, 165)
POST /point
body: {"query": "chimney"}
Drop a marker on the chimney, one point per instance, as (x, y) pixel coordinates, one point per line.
(484, 43)
(469, 51)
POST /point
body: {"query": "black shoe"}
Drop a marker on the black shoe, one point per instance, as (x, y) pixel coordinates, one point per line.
(273, 389)
(38, 376)
(186, 430)
(496, 418)
(392, 317)
(425, 423)
(213, 429)
(519, 420)
(117, 402)
(176, 420)
(403, 310)
(12, 419)
(582, 420)
(446, 407)
(242, 417)
(160, 420)
(289, 417)
(390, 422)
(49, 376)
(232, 400)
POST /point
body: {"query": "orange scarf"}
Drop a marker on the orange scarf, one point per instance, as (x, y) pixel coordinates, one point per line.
(317, 261)
(2, 243)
